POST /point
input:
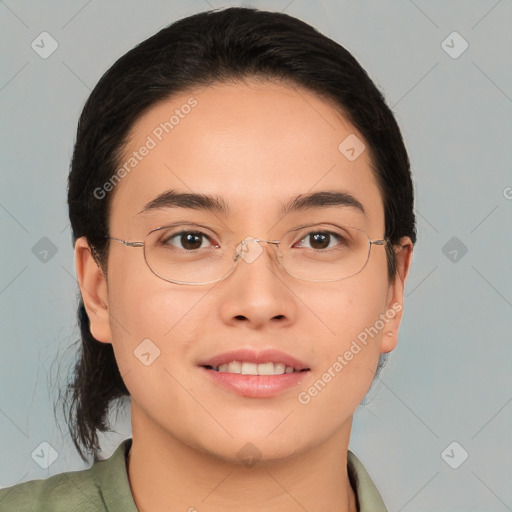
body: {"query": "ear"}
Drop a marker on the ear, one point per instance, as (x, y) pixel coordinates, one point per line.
(93, 287)
(395, 299)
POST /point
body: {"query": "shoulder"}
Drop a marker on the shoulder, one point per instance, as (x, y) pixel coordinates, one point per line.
(74, 490)
(86, 490)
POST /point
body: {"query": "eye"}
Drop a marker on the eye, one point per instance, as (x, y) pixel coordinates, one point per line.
(319, 240)
(187, 240)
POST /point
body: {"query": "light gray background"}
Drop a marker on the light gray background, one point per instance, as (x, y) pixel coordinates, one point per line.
(450, 377)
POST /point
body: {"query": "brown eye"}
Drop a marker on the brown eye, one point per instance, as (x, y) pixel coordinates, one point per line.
(186, 240)
(319, 240)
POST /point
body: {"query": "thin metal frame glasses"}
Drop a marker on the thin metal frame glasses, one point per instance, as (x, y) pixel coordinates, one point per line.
(350, 257)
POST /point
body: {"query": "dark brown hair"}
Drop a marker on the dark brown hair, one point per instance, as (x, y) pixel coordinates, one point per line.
(216, 46)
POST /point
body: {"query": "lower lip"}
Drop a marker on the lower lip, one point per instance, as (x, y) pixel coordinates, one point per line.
(256, 386)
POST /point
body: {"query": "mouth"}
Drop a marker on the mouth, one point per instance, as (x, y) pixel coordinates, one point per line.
(255, 374)
(252, 362)
(249, 368)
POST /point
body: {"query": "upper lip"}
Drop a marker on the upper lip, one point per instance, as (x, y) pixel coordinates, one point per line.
(255, 356)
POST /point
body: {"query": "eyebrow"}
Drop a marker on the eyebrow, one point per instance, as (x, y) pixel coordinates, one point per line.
(216, 204)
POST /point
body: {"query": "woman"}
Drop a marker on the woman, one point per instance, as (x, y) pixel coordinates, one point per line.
(242, 213)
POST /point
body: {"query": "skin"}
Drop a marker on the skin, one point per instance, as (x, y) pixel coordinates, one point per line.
(255, 144)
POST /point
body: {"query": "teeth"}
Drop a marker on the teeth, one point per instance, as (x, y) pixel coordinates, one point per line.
(245, 368)
(249, 369)
(233, 367)
(280, 368)
(264, 369)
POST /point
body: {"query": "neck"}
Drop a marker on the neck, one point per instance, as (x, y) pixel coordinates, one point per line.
(166, 474)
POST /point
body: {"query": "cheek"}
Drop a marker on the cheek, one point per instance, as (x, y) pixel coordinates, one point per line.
(153, 335)
(346, 308)
(349, 318)
(152, 322)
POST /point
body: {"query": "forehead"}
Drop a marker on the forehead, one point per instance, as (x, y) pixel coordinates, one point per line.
(256, 145)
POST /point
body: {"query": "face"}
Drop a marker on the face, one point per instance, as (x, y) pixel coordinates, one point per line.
(257, 146)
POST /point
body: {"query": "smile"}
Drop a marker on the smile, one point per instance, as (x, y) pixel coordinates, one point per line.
(248, 368)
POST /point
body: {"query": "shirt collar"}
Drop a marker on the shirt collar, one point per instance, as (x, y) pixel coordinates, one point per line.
(111, 476)
(367, 495)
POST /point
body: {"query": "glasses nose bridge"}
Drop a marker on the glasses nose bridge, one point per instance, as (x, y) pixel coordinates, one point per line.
(242, 250)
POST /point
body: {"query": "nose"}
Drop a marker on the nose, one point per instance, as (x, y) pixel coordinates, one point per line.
(257, 292)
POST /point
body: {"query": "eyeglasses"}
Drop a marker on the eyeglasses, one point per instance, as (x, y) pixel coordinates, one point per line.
(189, 253)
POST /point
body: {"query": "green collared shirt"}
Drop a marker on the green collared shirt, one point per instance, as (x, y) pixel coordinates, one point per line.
(104, 487)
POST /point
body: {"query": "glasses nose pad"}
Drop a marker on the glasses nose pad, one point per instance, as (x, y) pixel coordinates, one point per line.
(249, 249)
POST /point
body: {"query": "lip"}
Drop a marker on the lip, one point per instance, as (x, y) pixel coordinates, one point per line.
(255, 386)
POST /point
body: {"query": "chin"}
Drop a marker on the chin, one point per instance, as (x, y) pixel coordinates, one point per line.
(247, 453)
